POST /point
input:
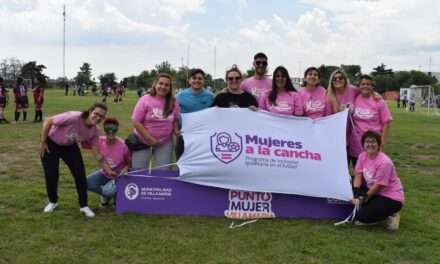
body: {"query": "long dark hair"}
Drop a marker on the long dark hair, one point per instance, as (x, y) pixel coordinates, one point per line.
(85, 114)
(169, 98)
(289, 86)
(309, 69)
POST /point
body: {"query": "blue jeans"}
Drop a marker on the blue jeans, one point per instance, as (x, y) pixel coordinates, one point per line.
(96, 182)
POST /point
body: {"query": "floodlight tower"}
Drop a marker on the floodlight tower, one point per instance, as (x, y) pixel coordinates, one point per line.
(64, 42)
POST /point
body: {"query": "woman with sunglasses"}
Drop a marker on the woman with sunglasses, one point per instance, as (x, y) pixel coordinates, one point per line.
(155, 119)
(340, 92)
(368, 114)
(313, 96)
(116, 154)
(60, 136)
(282, 99)
(234, 95)
(383, 196)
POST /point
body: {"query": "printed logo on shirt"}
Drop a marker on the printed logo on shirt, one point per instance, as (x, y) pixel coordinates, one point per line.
(368, 175)
(255, 92)
(364, 113)
(314, 106)
(131, 191)
(74, 137)
(158, 113)
(226, 147)
(282, 106)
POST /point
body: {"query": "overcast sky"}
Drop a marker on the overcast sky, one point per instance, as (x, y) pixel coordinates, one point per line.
(128, 36)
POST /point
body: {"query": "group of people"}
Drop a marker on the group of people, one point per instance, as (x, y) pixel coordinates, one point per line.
(20, 92)
(155, 117)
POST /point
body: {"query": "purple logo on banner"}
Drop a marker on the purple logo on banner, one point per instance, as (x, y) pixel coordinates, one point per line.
(131, 191)
(226, 147)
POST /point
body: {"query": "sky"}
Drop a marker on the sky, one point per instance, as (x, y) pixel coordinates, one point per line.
(129, 36)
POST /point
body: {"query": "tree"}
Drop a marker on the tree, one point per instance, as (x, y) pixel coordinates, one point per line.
(325, 72)
(381, 70)
(107, 78)
(250, 72)
(84, 76)
(421, 78)
(165, 67)
(10, 68)
(353, 72)
(32, 70)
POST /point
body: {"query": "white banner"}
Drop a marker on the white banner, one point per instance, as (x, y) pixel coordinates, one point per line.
(238, 149)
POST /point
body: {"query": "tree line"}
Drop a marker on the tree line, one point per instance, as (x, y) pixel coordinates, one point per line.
(385, 78)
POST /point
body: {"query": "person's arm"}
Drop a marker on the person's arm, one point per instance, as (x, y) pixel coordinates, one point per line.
(144, 133)
(176, 129)
(374, 190)
(103, 163)
(384, 137)
(44, 134)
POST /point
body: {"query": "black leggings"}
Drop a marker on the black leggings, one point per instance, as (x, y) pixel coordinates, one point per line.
(179, 148)
(377, 209)
(71, 155)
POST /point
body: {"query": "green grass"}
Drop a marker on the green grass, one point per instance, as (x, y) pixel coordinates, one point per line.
(29, 236)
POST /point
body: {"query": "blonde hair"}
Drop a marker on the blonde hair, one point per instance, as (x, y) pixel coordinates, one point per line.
(331, 93)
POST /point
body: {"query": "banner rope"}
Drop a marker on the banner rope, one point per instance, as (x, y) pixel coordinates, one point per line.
(233, 225)
(351, 217)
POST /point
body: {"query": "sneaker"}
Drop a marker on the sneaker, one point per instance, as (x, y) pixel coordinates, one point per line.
(87, 211)
(50, 207)
(104, 201)
(392, 222)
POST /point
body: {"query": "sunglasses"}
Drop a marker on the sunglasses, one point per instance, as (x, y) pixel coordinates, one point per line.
(234, 78)
(111, 129)
(338, 78)
(261, 63)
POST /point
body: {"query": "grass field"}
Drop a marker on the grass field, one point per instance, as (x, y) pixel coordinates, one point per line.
(29, 236)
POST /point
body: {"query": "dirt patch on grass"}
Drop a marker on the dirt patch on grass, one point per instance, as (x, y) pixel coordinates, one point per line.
(423, 146)
(426, 157)
(19, 159)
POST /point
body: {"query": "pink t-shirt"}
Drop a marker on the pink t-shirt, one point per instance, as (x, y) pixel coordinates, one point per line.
(315, 103)
(257, 87)
(368, 114)
(69, 128)
(287, 103)
(149, 112)
(381, 171)
(346, 99)
(116, 155)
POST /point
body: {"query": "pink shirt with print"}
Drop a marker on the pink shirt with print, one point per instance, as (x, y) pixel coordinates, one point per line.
(368, 114)
(69, 128)
(315, 103)
(381, 171)
(116, 155)
(257, 87)
(287, 103)
(346, 99)
(149, 112)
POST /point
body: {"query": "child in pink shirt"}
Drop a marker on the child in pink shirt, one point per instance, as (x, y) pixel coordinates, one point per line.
(116, 154)
(368, 114)
(155, 119)
(384, 196)
(313, 97)
(282, 99)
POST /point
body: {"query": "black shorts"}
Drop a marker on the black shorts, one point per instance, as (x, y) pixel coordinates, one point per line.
(22, 102)
(2, 101)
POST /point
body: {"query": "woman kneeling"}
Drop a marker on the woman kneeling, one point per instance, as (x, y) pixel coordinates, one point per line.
(384, 197)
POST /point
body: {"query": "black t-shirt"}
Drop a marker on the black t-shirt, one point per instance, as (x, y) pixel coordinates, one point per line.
(228, 99)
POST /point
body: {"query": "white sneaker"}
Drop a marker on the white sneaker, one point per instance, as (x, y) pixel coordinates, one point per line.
(50, 207)
(87, 211)
(392, 222)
